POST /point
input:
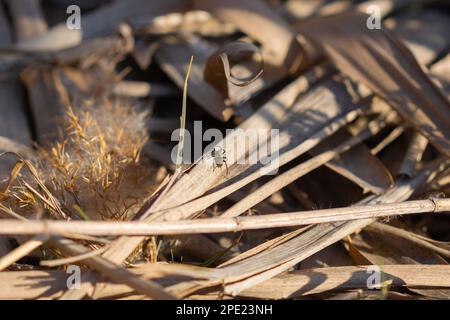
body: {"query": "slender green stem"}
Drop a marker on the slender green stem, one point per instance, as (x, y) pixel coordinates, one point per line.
(183, 119)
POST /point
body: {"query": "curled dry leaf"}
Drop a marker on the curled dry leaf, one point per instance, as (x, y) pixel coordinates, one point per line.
(217, 70)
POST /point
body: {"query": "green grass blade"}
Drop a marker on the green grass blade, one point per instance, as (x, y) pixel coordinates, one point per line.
(183, 118)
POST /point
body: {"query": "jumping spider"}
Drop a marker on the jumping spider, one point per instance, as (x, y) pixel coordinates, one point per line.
(220, 158)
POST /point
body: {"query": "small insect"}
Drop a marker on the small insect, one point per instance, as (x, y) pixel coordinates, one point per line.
(220, 158)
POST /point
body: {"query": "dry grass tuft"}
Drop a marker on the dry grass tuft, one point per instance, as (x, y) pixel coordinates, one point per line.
(95, 171)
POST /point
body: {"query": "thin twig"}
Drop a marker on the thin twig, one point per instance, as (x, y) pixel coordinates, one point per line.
(71, 260)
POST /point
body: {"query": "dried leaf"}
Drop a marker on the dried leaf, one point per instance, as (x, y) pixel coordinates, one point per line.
(368, 56)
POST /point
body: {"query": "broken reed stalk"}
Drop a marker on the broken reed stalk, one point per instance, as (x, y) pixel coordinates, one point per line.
(219, 225)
